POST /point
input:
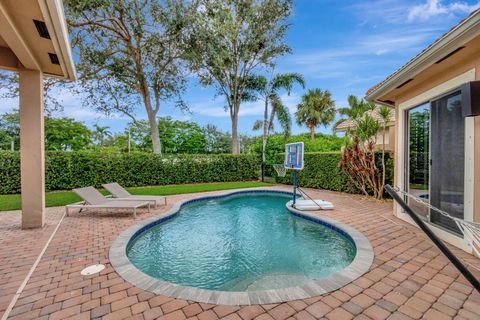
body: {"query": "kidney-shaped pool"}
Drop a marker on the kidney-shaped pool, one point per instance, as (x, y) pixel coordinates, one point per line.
(242, 242)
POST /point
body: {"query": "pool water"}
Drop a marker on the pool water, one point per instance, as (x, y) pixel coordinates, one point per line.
(245, 242)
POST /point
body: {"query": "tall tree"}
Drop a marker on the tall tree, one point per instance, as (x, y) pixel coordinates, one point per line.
(385, 115)
(100, 134)
(269, 93)
(65, 134)
(216, 141)
(10, 129)
(317, 107)
(181, 136)
(60, 133)
(129, 55)
(228, 39)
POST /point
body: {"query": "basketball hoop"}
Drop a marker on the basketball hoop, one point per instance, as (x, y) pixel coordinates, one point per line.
(280, 169)
(294, 161)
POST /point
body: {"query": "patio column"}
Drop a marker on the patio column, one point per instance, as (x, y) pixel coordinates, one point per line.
(32, 154)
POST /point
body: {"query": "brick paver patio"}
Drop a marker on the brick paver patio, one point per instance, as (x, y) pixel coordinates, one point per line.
(409, 279)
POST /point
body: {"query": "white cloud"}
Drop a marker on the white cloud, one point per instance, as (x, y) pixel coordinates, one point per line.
(215, 109)
(380, 11)
(433, 8)
(360, 54)
(291, 101)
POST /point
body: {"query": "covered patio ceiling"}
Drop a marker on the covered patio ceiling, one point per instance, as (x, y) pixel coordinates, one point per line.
(34, 42)
(33, 35)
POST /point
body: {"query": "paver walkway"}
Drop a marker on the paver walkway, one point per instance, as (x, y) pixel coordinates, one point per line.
(409, 279)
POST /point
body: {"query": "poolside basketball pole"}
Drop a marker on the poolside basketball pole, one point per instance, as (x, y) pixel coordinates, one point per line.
(294, 186)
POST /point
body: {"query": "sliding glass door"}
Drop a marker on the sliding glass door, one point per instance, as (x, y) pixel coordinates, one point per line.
(435, 156)
(418, 155)
(448, 160)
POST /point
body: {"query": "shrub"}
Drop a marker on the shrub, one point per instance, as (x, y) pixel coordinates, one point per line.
(321, 172)
(68, 170)
(276, 144)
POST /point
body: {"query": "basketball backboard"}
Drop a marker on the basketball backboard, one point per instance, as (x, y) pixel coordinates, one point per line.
(294, 156)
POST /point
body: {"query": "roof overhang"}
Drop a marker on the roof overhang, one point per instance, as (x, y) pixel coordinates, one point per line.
(459, 35)
(22, 47)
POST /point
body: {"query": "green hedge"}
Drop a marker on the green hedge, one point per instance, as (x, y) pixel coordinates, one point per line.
(321, 172)
(68, 170)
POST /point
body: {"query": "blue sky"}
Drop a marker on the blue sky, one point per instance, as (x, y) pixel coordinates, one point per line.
(343, 46)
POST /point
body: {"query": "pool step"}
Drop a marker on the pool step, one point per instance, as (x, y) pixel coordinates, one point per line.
(268, 281)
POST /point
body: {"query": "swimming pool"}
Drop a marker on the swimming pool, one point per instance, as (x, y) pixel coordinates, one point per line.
(246, 243)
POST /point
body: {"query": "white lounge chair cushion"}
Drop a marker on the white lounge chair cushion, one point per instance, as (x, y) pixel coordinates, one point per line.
(113, 204)
(121, 193)
(311, 205)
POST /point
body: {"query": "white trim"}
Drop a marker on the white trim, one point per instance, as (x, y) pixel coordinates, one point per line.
(469, 168)
(424, 97)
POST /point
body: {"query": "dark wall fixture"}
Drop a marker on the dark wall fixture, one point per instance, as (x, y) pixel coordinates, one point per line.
(42, 29)
(53, 58)
(449, 55)
(471, 99)
(403, 84)
(389, 102)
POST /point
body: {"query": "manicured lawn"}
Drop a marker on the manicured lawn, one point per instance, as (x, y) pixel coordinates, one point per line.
(61, 198)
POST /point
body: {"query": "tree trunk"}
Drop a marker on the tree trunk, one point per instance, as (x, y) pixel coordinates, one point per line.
(235, 144)
(154, 135)
(152, 119)
(266, 124)
(312, 132)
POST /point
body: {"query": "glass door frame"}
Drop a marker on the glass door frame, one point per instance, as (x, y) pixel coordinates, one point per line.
(407, 179)
(433, 93)
(408, 102)
(406, 152)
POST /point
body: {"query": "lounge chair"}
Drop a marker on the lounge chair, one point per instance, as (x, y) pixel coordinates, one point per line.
(118, 192)
(93, 199)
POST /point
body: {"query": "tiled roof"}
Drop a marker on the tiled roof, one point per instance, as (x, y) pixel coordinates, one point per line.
(369, 91)
(373, 113)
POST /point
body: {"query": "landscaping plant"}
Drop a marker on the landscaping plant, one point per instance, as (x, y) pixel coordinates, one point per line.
(358, 156)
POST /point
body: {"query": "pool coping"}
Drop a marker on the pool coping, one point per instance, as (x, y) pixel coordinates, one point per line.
(359, 265)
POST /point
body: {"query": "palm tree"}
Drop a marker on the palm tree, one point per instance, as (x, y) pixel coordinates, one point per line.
(101, 133)
(317, 107)
(356, 110)
(269, 92)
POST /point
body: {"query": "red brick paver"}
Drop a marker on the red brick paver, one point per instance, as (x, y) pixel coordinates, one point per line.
(409, 278)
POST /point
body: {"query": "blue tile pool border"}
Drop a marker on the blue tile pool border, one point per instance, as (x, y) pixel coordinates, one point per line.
(359, 265)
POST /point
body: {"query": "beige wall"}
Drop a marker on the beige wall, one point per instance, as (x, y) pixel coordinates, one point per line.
(392, 141)
(388, 139)
(430, 79)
